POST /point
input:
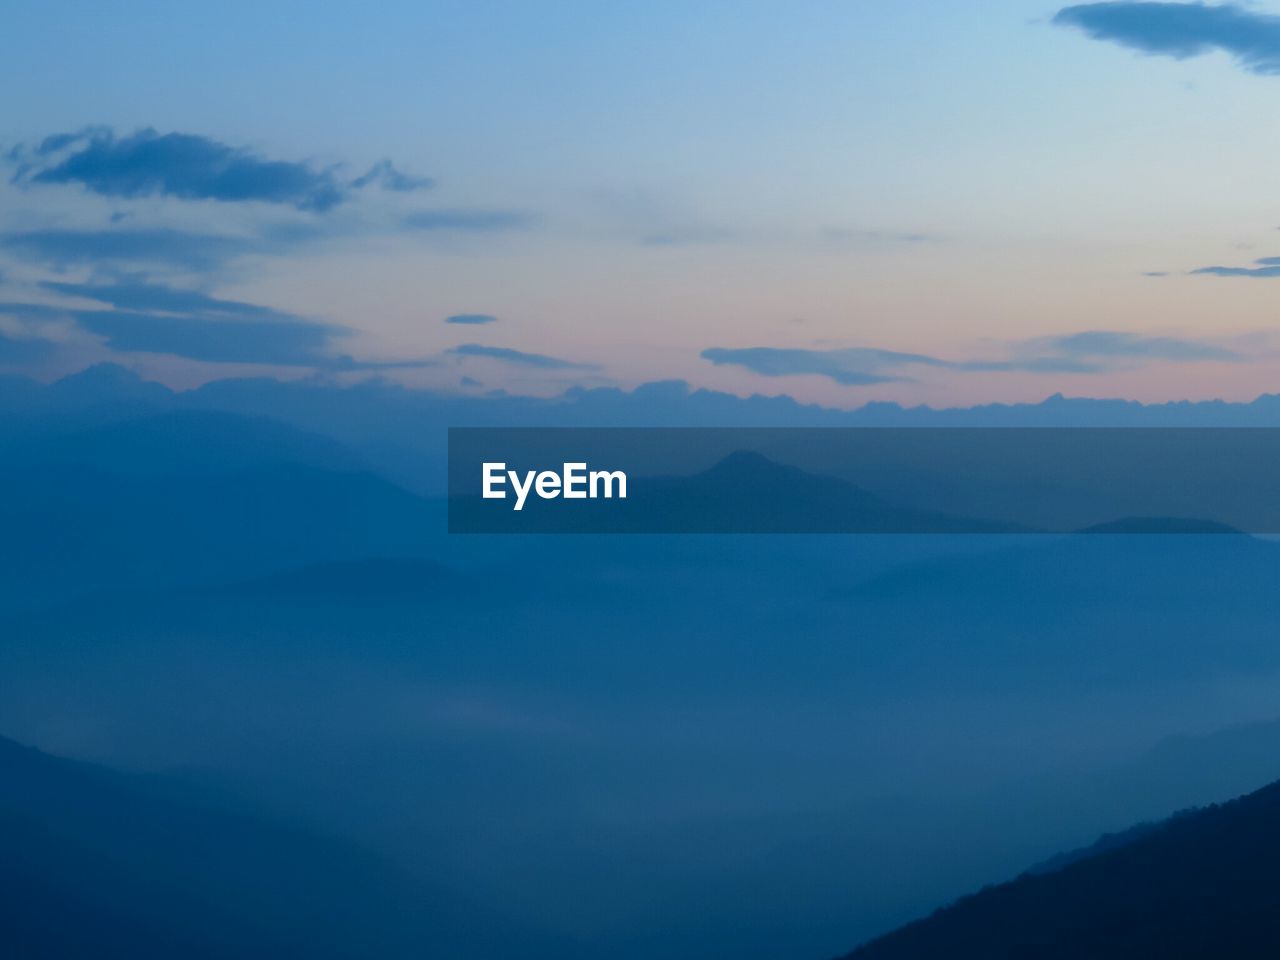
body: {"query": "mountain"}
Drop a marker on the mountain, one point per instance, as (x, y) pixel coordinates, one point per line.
(73, 530)
(98, 863)
(178, 442)
(401, 432)
(1201, 885)
(1146, 558)
(179, 496)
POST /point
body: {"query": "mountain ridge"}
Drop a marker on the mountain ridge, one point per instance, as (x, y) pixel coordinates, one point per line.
(1199, 885)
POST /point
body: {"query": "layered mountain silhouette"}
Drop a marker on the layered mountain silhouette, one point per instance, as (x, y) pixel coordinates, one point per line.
(1201, 885)
(183, 496)
(102, 864)
(653, 746)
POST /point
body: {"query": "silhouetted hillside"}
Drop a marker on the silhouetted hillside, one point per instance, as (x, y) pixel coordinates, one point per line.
(72, 528)
(1201, 885)
(179, 442)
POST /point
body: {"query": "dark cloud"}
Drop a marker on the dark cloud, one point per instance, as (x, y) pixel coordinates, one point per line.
(158, 247)
(477, 221)
(520, 358)
(471, 319)
(151, 318)
(182, 165)
(1182, 30)
(32, 312)
(137, 294)
(216, 341)
(385, 175)
(189, 166)
(1086, 352)
(1263, 267)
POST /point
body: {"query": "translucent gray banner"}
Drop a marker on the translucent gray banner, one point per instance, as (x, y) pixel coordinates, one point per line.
(864, 480)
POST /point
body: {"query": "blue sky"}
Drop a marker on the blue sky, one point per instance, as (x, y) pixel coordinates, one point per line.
(924, 202)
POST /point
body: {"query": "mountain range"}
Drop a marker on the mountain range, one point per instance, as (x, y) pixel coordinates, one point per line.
(1199, 885)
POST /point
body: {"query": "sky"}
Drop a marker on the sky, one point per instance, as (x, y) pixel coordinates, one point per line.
(926, 202)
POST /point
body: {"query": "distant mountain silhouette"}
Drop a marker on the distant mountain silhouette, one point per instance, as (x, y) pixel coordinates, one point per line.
(400, 431)
(96, 863)
(1202, 885)
(180, 442)
(1072, 567)
(72, 529)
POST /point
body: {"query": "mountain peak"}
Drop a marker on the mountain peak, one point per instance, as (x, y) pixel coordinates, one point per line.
(109, 381)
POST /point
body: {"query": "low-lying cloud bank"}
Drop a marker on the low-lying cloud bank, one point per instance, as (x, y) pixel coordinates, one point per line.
(1091, 351)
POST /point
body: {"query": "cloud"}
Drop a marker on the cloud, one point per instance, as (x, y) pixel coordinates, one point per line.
(1086, 352)
(151, 318)
(845, 236)
(159, 247)
(23, 351)
(520, 358)
(189, 166)
(1182, 30)
(134, 294)
(1108, 343)
(855, 366)
(478, 221)
(217, 341)
(1264, 267)
(182, 165)
(385, 175)
(471, 319)
(864, 366)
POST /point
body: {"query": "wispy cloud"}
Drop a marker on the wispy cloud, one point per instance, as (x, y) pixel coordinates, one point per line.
(855, 366)
(137, 294)
(152, 318)
(1263, 267)
(471, 319)
(158, 247)
(475, 221)
(520, 358)
(851, 237)
(384, 174)
(1182, 30)
(1086, 352)
(1110, 343)
(189, 166)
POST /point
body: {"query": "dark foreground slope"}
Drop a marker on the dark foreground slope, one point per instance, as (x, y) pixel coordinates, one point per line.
(1202, 885)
